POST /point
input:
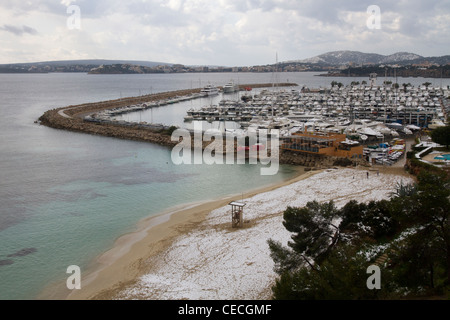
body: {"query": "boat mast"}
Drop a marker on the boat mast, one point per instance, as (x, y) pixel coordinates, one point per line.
(274, 80)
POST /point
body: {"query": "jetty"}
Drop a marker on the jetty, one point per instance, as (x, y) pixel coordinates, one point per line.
(93, 118)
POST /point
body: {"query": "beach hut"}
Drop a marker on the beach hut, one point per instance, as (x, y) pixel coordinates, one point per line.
(237, 214)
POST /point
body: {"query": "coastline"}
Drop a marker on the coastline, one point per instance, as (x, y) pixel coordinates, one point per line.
(151, 253)
(125, 261)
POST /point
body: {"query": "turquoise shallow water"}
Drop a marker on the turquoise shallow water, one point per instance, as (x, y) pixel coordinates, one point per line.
(80, 218)
(443, 156)
(65, 197)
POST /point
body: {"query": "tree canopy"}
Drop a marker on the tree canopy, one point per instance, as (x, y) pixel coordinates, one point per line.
(407, 236)
(441, 135)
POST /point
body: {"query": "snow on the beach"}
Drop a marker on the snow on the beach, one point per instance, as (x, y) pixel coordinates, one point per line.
(217, 262)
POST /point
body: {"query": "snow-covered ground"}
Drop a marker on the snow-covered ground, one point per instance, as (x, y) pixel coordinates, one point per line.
(215, 261)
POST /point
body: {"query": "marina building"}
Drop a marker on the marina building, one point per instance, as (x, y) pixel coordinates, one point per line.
(325, 144)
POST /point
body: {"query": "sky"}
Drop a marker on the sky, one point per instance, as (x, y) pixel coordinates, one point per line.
(218, 32)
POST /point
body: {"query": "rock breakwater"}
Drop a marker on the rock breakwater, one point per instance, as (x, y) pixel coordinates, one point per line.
(72, 117)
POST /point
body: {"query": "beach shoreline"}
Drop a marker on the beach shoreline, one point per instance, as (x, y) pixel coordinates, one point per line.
(127, 261)
(214, 261)
(124, 262)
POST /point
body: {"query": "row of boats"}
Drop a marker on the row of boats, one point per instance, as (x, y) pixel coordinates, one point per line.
(362, 112)
(359, 110)
(207, 91)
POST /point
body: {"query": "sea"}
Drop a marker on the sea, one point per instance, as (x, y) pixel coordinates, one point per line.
(65, 197)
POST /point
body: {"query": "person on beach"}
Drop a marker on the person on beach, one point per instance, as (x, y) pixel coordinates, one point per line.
(367, 174)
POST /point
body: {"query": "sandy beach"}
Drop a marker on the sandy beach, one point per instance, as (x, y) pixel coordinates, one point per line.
(193, 253)
(125, 261)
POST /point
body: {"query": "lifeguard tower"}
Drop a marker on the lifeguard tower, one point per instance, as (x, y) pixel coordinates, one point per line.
(237, 214)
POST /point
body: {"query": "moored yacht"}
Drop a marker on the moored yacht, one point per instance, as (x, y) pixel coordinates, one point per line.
(230, 87)
(209, 90)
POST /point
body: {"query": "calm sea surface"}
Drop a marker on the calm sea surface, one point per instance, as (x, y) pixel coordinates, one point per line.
(65, 197)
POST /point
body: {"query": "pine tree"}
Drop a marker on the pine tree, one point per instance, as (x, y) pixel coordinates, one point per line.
(441, 135)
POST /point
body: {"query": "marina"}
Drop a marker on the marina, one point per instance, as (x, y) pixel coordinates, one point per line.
(358, 122)
(373, 111)
(365, 113)
(361, 122)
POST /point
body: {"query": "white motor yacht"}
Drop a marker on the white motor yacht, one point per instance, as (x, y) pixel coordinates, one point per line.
(230, 87)
(210, 90)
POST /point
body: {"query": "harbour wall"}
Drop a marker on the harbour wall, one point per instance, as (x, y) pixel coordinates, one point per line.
(71, 118)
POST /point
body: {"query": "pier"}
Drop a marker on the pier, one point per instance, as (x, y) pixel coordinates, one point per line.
(91, 118)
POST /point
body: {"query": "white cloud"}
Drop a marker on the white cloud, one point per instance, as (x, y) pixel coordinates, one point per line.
(223, 32)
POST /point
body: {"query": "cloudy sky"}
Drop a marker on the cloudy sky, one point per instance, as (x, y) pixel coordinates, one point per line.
(217, 32)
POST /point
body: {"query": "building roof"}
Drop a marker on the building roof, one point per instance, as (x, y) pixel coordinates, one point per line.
(306, 138)
(236, 203)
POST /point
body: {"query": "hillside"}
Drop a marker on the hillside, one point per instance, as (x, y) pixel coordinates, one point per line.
(346, 57)
(333, 62)
(72, 65)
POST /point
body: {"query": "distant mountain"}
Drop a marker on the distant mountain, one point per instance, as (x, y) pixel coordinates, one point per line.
(442, 60)
(74, 65)
(400, 57)
(345, 57)
(126, 69)
(88, 62)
